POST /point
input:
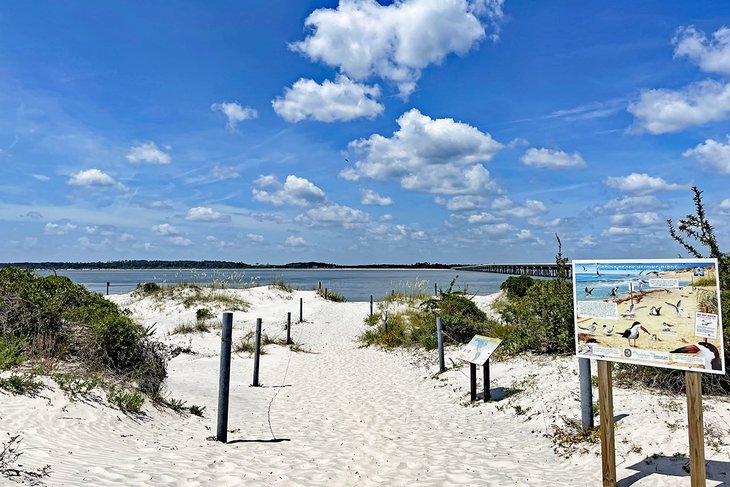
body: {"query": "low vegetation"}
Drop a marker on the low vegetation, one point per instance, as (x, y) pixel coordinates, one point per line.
(192, 295)
(50, 320)
(411, 326)
(331, 295)
(11, 469)
(281, 285)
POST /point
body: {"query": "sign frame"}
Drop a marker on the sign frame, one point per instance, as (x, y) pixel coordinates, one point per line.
(659, 295)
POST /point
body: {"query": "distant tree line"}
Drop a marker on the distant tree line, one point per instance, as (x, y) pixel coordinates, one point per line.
(212, 264)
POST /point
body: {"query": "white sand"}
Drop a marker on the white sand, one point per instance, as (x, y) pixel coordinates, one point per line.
(349, 415)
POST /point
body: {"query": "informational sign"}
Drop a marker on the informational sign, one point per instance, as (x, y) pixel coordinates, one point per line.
(479, 349)
(663, 313)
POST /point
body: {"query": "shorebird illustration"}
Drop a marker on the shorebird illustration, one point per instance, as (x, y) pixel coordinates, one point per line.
(584, 268)
(642, 283)
(656, 273)
(614, 292)
(633, 332)
(707, 351)
(677, 307)
(590, 329)
(631, 312)
(589, 292)
(666, 326)
(607, 331)
(654, 311)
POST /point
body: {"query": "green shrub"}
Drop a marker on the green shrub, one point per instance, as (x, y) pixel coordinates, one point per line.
(74, 385)
(65, 321)
(331, 295)
(148, 288)
(517, 286)
(11, 351)
(281, 285)
(541, 321)
(24, 384)
(203, 314)
(197, 410)
(196, 327)
(461, 317)
(127, 401)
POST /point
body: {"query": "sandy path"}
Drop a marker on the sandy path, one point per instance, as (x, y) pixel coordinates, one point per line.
(344, 416)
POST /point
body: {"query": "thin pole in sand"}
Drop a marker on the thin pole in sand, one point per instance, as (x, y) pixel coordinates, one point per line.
(371, 305)
(301, 310)
(107, 288)
(325, 293)
(586, 393)
(435, 289)
(696, 433)
(473, 381)
(485, 372)
(608, 441)
(385, 322)
(288, 328)
(440, 341)
(257, 353)
(224, 377)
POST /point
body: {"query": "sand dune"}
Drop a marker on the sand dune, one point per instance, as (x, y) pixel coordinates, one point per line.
(345, 415)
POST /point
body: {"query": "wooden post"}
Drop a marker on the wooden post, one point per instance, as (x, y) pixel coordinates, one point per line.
(257, 353)
(385, 322)
(107, 288)
(473, 381)
(608, 441)
(301, 310)
(696, 429)
(325, 293)
(371, 305)
(288, 328)
(487, 391)
(224, 378)
(435, 289)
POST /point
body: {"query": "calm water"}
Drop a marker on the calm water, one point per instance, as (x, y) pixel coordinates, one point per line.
(355, 285)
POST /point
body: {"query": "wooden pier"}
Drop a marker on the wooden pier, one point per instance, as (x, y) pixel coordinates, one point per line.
(538, 270)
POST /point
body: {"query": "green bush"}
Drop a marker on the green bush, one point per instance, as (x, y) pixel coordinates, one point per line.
(281, 285)
(461, 317)
(517, 286)
(12, 350)
(65, 321)
(127, 401)
(331, 295)
(148, 288)
(197, 410)
(541, 321)
(21, 384)
(203, 314)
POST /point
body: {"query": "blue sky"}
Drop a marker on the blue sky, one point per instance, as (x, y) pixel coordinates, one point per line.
(356, 132)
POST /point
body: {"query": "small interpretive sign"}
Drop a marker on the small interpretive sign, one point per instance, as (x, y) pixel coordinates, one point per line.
(479, 349)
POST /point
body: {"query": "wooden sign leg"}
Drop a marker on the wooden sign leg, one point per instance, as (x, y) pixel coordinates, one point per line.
(696, 429)
(608, 444)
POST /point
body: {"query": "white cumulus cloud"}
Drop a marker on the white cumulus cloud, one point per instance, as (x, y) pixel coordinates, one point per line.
(165, 229)
(661, 111)
(712, 154)
(179, 241)
(93, 178)
(58, 228)
(641, 184)
(370, 197)
(205, 214)
(234, 112)
(293, 241)
(294, 191)
(365, 39)
(340, 101)
(333, 214)
(149, 153)
(430, 155)
(552, 159)
(711, 55)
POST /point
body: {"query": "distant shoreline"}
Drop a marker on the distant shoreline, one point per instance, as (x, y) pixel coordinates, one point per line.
(216, 265)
